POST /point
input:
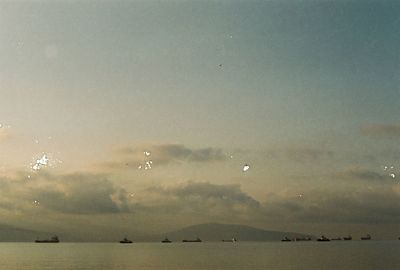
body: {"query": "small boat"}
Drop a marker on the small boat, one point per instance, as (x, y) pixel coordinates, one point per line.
(336, 239)
(197, 240)
(125, 241)
(367, 237)
(323, 239)
(302, 239)
(54, 239)
(233, 240)
(166, 240)
(347, 237)
(286, 239)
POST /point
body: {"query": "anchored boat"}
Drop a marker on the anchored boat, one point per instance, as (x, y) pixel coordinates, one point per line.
(166, 240)
(125, 241)
(192, 240)
(323, 239)
(367, 237)
(54, 239)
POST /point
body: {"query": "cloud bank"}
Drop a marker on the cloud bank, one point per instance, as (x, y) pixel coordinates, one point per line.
(82, 196)
(381, 130)
(162, 154)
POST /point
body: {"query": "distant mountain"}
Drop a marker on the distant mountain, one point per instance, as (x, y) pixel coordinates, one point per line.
(217, 232)
(15, 234)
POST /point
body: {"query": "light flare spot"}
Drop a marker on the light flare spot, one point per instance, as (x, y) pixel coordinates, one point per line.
(246, 167)
(42, 162)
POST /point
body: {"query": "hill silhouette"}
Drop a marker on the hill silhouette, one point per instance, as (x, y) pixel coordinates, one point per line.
(217, 232)
(15, 234)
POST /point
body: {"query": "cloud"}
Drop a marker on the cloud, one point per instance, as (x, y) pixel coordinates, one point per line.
(163, 154)
(80, 197)
(363, 174)
(83, 194)
(381, 130)
(94, 194)
(197, 200)
(69, 194)
(299, 153)
(306, 153)
(206, 191)
(322, 206)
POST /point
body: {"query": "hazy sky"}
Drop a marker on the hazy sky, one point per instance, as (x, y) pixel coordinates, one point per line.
(305, 92)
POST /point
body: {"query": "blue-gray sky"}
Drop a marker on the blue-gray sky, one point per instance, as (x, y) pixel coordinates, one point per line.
(306, 92)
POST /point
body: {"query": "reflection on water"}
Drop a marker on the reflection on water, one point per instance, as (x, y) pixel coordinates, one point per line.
(149, 256)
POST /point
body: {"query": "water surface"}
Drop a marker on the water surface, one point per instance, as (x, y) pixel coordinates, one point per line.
(194, 256)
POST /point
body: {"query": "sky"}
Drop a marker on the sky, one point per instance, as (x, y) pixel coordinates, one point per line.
(138, 117)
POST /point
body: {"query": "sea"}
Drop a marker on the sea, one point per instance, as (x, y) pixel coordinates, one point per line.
(207, 255)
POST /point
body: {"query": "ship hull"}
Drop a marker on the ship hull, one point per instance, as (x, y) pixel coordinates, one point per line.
(46, 241)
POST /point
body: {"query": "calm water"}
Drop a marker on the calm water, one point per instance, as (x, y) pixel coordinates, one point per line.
(190, 256)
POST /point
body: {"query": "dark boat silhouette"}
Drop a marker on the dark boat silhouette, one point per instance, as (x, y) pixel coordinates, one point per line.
(233, 240)
(336, 239)
(125, 241)
(323, 239)
(347, 238)
(302, 239)
(53, 239)
(286, 239)
(367, 237)
(166, 240)
(197, 240)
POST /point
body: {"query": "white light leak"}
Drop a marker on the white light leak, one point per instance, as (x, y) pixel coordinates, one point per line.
(246, 167)
(385, 167)
(29, 177)
(390, 170)
(42, 162)
(4, 125)
(147, 162)
(147, 165)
